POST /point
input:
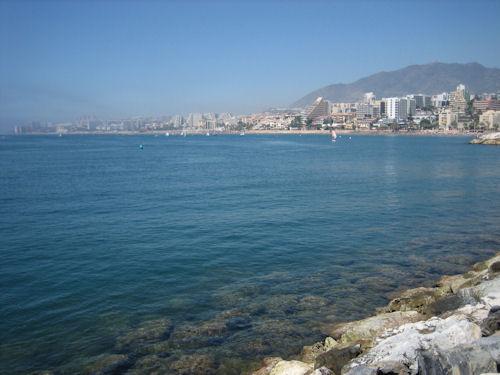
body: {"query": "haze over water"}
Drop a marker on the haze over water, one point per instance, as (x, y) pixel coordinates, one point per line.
(281, 233)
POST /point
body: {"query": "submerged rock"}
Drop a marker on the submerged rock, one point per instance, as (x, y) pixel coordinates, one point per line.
(147, 333)
(151, 365)
(108, 364)
(238, 322)
(203, 334)
(194, 364)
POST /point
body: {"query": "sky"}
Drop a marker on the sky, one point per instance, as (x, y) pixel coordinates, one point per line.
(60, 60)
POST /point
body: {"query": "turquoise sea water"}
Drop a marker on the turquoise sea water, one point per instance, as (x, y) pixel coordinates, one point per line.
(262, 239)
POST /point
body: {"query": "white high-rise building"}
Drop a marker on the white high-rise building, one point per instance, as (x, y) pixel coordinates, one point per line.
(399, 108)
(392, 108)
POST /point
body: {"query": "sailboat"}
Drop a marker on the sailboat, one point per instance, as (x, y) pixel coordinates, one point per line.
(334, 136)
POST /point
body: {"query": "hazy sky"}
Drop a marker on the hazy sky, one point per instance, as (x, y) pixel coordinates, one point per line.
(63, 59)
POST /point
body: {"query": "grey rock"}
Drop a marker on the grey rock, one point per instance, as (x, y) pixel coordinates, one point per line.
(479, 357)
(404, 343)
(361, 370)
(450, 303)
(491, 324)
(392, 368)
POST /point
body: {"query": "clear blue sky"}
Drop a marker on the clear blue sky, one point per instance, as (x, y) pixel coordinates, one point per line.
(63, 59)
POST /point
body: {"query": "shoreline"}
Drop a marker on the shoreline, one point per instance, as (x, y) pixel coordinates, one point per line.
(176, 133)
(423, 330)
(419, 332)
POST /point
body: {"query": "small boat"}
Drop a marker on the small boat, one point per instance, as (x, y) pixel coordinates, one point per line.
(60, 134)
(242, 133)
(208, 134)
(167, 134)
(141, 147)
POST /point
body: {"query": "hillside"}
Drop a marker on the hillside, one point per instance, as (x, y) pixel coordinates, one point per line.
(428, 79)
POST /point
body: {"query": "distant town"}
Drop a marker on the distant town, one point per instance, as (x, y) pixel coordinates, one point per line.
(448, 112)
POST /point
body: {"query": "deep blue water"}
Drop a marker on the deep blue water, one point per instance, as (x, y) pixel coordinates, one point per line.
(286, 233)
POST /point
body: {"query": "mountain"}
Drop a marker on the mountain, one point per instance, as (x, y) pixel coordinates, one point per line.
(414, 79)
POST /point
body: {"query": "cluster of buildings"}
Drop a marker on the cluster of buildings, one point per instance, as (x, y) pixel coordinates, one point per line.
(193, 122)
(457, 110)
(454, 111)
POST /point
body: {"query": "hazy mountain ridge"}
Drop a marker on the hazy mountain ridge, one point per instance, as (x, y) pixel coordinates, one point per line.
(430, 78)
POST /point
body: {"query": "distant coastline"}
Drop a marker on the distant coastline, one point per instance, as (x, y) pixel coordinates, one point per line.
(273, 132)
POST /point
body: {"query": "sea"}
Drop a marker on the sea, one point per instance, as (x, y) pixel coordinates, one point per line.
(244, 247)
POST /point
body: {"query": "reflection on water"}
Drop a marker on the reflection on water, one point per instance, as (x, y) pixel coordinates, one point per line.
(212, 252)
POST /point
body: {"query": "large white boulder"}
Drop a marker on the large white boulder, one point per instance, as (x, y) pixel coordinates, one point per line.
(401, 345)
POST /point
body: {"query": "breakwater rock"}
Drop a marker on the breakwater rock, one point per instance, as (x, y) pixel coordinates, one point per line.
(451, 328)
(487, 139)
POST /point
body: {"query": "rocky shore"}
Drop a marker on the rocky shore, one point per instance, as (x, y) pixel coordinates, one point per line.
(451, 328)
(487, 139)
